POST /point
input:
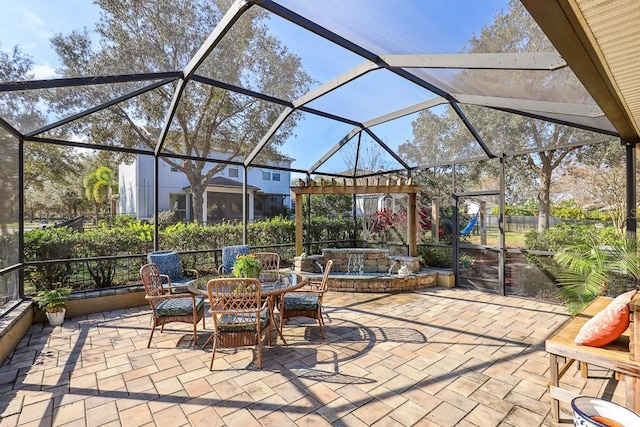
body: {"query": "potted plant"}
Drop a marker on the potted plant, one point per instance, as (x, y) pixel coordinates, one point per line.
(247, 266)
(54, 302)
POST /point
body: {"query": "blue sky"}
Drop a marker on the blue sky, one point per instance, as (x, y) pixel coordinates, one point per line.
(31, 24)
(407, 28)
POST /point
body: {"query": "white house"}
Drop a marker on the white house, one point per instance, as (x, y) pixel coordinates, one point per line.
(268, 191)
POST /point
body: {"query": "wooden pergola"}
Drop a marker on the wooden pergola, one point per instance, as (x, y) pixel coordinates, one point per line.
(374, 187)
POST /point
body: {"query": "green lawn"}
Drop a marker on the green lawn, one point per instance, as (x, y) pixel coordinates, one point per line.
(513, 239)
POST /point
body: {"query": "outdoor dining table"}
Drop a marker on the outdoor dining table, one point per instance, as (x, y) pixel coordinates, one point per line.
(287, 282)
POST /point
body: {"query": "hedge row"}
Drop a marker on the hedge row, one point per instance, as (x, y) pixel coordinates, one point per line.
(127, 236)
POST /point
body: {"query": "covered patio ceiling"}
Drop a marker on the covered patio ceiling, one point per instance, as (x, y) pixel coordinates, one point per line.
(599, 41)
(373, 67)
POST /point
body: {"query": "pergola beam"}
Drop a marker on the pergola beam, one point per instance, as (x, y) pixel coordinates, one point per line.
(376, 187)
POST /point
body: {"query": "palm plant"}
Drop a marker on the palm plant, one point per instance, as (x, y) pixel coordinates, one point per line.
(592, 270)
(100, 185)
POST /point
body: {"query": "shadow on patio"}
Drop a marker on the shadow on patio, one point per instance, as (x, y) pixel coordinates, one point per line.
(440, 357)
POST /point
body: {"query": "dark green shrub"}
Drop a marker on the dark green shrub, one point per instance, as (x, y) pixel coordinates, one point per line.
(99, 242)
(560, 236)
(436, 257)
(49, 244)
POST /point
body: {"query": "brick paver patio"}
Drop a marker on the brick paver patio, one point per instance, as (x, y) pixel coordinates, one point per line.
(438, 357)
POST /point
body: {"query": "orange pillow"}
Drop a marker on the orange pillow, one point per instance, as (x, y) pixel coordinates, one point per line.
(608, 324)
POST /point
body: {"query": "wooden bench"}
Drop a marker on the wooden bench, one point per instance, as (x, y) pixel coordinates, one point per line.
(621, 356)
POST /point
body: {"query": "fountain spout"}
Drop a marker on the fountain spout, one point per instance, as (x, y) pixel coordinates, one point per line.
(319, 265)
(395, 262)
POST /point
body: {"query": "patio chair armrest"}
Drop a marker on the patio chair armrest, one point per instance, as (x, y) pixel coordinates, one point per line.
(304, 291)
(170, 296)
(166, 277)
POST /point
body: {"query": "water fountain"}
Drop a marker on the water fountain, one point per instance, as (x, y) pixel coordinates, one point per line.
(368, 270)
(356, 264)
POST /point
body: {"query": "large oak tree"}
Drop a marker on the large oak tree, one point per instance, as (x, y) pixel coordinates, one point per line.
(439, 137)
(164, 35)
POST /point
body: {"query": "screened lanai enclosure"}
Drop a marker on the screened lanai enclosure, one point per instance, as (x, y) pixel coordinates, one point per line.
(478, 102)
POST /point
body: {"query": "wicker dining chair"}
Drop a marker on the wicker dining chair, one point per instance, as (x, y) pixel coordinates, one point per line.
(306, 301)
(175, 278)
(239, 314)
(270, 263)
(168, 307)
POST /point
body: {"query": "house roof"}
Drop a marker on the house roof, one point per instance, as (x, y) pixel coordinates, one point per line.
(219, 181)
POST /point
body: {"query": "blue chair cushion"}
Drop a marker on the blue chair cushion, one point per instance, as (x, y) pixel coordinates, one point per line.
(178, 306)
(241, 319)
(168, 263)
(300, 301)
(229, 254)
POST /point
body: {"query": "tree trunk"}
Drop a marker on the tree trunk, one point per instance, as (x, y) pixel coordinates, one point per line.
(544, 199)
(197, 201)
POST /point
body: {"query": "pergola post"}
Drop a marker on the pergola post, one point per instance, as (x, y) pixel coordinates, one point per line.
(377, 187)
(435, 219)
(412, 225)
(299, 227)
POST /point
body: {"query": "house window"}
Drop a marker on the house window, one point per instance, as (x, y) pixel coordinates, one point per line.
(233, 172)
(178, 204)
(275, 176)
(266, 176)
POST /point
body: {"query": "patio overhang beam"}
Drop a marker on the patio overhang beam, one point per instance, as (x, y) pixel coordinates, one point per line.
(237, 89)
(569, 109)
(100, 107)
(330, 116)
(566, 27)
(86, 81)
(472, 129)
(480, 61)
(592, 141)
(265, 138)
(509, 154)
(280, 120)
(164, 130)
(234, 13)
(13, 131)
(77, 144)
(334, 149)
(534, 115)
(358, 71)
(453, 162)
(405, 111)
(387, 149)
(286, 113)
(309, 25)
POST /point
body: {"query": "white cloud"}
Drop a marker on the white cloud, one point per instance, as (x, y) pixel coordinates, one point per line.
(33, 23)
(43, 72)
